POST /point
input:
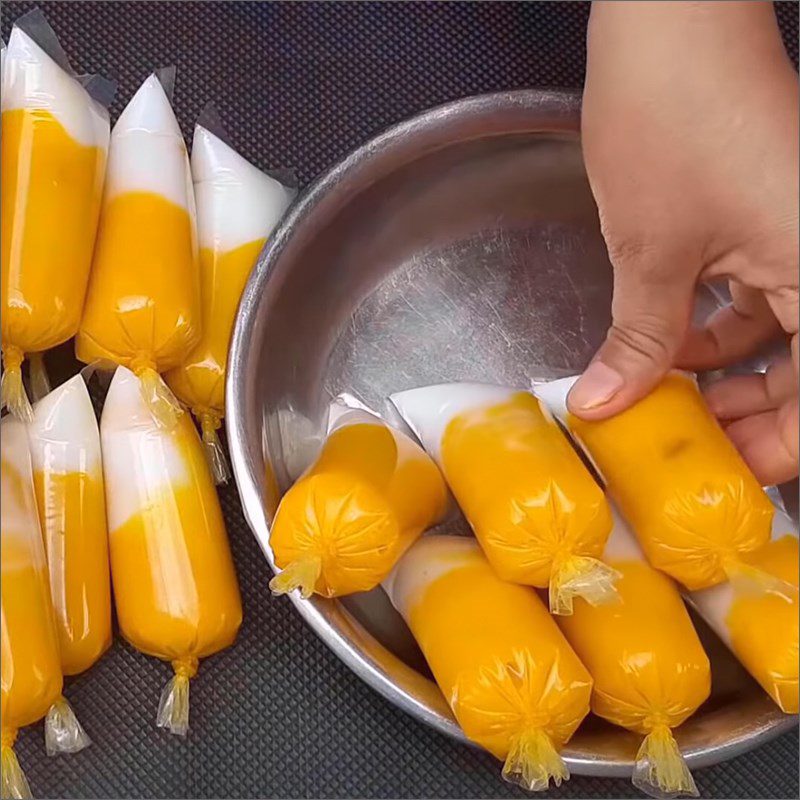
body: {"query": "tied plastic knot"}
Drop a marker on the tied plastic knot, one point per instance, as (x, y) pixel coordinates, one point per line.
(210, 422)
(301, 574)
(747, 579)
(12, 390)
(533, 760)
(660, 770)
(173, 707)
(40, 383)
(581, 576)
(14, 782)
(185, 667)
(164, 406)
(62, 731)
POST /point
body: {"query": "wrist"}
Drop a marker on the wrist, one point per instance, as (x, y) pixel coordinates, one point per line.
(739, 27)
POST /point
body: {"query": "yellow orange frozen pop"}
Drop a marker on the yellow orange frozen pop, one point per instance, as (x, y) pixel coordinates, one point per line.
(31, 669)
(538, 514)
(649, 669)
(237, 208)
(762, 628)
(143, 303)
(694, 505)
(175, 586)
(54, 146)
(513, 682)
(344, 524)
(68, 476)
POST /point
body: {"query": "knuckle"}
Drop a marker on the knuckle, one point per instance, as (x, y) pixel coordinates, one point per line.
(634, 251)
(646, 335)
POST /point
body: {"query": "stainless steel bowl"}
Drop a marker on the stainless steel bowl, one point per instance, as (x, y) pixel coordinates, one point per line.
(460, 245)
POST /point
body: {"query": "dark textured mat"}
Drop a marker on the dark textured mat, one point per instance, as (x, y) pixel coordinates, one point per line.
(299, 85)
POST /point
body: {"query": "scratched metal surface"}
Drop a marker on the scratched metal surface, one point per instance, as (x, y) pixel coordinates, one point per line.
(514, 283)
(496, 305)
(499, 293)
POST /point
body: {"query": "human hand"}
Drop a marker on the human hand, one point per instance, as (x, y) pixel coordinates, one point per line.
(690, 136)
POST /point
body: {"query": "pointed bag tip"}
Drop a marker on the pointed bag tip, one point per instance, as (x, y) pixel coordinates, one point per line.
(124, 404)
(149, 110)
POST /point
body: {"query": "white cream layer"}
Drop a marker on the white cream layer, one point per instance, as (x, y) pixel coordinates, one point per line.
(430, 409)
(64, 436)
(147, 152)
(554, 393)
(426, 560)
(236, 202)
(140, 459)
(714, 604)
(622, 544)
(340, 415)
(31, 79)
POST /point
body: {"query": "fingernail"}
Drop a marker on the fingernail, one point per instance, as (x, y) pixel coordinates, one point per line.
(598, 384)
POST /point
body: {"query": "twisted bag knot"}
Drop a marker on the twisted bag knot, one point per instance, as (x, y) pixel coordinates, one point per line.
(210, 420)
(185, 667)
(140, 363)
(655, 720)
(12, 357)
(9, 737)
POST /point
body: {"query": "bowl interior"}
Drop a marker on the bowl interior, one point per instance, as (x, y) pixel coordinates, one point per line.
(465, 248)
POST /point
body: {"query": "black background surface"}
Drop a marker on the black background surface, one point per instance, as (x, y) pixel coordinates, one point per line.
(300, 85)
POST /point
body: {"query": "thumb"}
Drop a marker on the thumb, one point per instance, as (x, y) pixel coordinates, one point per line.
(651, 311)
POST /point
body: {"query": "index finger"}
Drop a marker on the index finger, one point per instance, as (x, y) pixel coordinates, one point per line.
(730, 334)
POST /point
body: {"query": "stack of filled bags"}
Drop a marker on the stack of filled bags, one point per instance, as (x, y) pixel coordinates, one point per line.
(100, 232)
(683, 516)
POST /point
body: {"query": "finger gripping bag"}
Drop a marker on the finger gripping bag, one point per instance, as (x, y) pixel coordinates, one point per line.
(344, 524)
(31, 672)
(68, 477)
(237, 208)
(55, 138)
(175, 587)
(537, 512)
(512, 681)
(689, 497)
(143, 302)
(761, 628)
(649, 669)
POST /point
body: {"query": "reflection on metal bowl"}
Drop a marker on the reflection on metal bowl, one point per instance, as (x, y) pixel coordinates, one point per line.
(460, 245)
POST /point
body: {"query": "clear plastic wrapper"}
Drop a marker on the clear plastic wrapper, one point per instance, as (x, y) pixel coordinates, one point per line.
(30, 663)
(63, 733)
(39, 380)
(649, 668)
(55, 139)
(693, 503)
(537, 512)
(68, 476)
(237, 208)
(143, 303)
(513, 682)
(175, 586)
(344, 524)
(762, 628)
